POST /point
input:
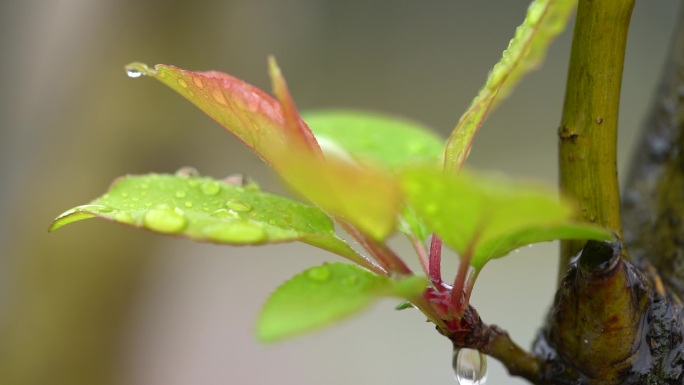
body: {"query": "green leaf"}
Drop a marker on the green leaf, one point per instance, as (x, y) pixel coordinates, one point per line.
(545, 19)
(325, 294)
(491, 215)
(383, 140)
(204, 209)
(273, 129)
(378, 140)
(368, 198)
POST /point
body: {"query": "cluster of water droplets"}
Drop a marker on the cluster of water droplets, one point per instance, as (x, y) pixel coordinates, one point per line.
(470, 367)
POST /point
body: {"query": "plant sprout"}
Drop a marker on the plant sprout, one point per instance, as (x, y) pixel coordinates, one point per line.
(373, 175)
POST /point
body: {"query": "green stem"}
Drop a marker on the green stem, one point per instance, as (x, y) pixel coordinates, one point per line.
(588, 131)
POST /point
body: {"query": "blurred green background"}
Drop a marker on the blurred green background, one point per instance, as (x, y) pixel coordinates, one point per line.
(99, 303)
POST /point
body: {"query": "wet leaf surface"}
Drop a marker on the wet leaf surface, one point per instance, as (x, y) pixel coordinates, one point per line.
(324, 294)
(492, 215)
(204, 209)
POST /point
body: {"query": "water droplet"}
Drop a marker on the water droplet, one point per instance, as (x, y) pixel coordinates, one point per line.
(187, 172)
(534, 13)
(165, 219)
(318, 273)
(470, 367)
(224, 213)
(180, 194)
(198, 82)
(134, 73)
(236, 232)
(351, 280)
(236, 179)
(124, 217)
(182, 83)
(218, 96)
(188, 204)
(93, 208)
(210, 187)
(238, 205)
(136, 70)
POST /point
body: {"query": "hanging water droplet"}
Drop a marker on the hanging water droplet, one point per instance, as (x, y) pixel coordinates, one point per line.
(136, 70)
(238, 205)
(210, 187)
(470, 367)
(318, 273)
(134, 73)
(165, 219)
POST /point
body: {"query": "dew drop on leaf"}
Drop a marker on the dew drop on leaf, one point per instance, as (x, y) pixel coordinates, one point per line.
(318, 273)
(165, 219)
(188, 204)
(350, 281)
(236, 232)
(187, 172)
(470, 367)
(97, 208)
(238, 205)
(210, 188)
(182, 83)
(180, 194)
(124, 217)
(224, 213)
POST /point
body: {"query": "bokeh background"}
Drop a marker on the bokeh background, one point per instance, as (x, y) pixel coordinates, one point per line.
(99, 303)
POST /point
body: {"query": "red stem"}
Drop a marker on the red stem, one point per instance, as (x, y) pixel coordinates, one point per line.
(386, 258)
(435, 262)
(419, 247)
(458, 292)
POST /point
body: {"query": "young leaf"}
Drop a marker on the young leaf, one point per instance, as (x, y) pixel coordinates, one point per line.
(274, 130)
(204, 209)
(246, 111)
(492, 216)
(368, 198)
(326, 294)
(378, 140)
(545, 19)
(382, 140)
